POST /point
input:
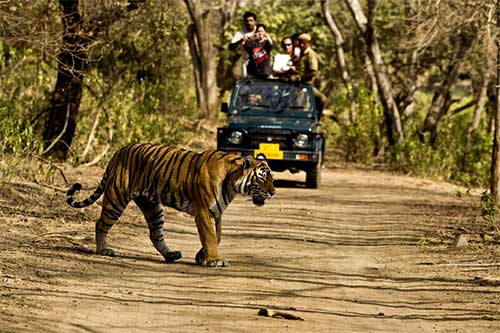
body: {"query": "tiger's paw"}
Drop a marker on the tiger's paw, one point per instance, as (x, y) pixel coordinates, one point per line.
(216, 263)
(203, 260)
(172, 256)
(106, 252)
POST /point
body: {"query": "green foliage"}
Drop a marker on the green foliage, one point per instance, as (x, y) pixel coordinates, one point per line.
(489, 230)
(488, 209)
(138, 82)
(451, 158)
(17, 136)
(415, 156)
(25, 80)
(142, 83)
(17, 140)
(142, 112)
(359, 141)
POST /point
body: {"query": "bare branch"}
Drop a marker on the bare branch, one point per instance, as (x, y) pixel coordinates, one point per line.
(63, 131)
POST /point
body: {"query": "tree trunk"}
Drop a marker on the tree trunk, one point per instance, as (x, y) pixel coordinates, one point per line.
(339, 41)
(495, 162)
(373, 80)
(385, 90)
(6, 54)
(225, 77)
(483, 92)
(480, 106)
(205, 53)
(65, 101)
(195, 61)
(441, 99)
(412, 8)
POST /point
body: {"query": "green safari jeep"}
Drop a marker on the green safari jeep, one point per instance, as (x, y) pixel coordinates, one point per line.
(278, 120)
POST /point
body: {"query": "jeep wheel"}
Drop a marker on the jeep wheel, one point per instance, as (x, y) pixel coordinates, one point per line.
(313, 177)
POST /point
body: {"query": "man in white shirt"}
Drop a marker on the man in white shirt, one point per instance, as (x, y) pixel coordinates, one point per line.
(246, 33)
(283, 61)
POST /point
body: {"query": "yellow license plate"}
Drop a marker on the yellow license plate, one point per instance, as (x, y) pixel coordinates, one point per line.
(270, 150)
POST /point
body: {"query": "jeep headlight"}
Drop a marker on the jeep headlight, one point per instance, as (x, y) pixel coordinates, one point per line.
(236, 137)
(301, 140)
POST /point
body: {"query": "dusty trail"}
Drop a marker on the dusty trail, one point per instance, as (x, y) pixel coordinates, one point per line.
(367, 252)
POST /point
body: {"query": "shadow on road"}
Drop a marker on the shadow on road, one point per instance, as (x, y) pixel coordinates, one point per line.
(289, 183)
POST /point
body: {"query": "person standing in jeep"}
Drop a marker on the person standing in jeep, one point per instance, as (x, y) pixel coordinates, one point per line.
(259, 51)
(240, 61)
(307, 68)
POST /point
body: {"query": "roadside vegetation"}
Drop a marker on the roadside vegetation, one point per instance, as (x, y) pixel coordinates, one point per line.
(146, 68)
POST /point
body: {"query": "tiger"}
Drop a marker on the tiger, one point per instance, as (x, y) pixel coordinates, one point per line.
(200, 184)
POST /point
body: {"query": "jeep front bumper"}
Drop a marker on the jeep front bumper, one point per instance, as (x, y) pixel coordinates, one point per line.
(288, 159)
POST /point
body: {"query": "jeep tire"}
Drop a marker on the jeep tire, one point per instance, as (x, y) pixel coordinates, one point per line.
(313, 176)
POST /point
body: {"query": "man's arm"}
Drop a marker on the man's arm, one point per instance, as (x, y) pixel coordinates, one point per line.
(237, 38)
(234, 46)
(269, 39)
(308, 77)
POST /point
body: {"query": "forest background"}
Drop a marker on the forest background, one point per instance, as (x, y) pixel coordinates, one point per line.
(410, 84)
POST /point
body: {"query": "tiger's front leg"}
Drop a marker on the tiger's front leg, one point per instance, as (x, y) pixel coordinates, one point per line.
(210, 233)
(153, 212)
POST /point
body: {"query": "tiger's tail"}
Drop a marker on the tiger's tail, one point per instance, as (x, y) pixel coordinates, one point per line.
(90, 200)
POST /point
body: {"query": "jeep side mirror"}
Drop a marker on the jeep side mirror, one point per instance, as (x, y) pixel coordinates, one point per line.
(224, 107)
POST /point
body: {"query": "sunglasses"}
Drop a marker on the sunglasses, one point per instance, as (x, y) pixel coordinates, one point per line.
(287, 44)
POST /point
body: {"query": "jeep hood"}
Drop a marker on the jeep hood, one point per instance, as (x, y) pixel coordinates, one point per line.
(299, 124)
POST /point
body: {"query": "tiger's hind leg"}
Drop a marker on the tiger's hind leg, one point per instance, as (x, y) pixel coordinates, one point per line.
(109, 216)
(153, 212)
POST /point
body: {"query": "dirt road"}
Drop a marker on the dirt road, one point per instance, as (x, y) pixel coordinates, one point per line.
(367, 252)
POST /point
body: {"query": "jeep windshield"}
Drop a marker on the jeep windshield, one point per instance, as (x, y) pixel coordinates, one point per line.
(272, 96)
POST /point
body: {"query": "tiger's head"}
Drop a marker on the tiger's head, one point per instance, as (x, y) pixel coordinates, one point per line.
(257, 181)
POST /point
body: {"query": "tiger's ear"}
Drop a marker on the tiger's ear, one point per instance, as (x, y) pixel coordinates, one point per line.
(249, 162)
(261, 157)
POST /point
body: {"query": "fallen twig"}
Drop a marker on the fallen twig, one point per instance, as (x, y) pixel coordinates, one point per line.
(278, 314)
(486, 282)
(52, 187)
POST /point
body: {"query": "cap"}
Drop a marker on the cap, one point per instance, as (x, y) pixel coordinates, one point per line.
(305, 37)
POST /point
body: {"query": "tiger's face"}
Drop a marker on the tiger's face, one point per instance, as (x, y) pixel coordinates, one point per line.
(259, 182)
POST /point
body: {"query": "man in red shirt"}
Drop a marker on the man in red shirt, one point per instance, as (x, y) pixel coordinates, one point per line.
(259, 51)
